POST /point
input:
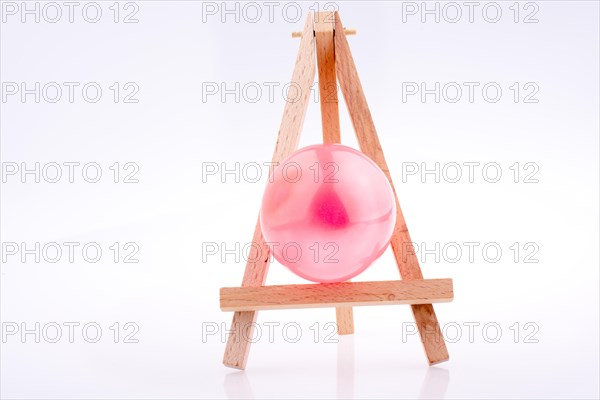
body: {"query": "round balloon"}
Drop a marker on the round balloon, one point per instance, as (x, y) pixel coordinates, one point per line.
(328, 212)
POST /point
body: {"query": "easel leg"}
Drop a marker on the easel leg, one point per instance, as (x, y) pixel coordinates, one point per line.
(242, 326)
(345, 320)
(330, 117)
(425, 317)
(238, 345)
(238, 348)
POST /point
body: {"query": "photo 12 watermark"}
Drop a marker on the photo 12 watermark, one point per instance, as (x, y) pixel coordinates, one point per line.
(252, 12)
(69, 172)
(69, 332)
(472, 252)
(291, 252)
(69, 252)
(266, 91)
(490, 92)
(454, 12)
(89, 92)
(69, 12)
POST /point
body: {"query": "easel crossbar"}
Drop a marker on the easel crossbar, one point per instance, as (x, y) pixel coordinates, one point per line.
(344, 294)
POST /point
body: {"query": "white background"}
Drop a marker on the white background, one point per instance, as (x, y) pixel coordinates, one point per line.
(173, 53)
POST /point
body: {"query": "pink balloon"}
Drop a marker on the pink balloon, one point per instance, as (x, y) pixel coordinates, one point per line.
(328, 212)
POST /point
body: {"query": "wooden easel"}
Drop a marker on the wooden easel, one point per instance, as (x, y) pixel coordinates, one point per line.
(324, 31)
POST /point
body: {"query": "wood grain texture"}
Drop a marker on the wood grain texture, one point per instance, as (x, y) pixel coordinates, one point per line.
(364, 128)
(237, 349)
(330, 116)
(418, 291)
(344, 318)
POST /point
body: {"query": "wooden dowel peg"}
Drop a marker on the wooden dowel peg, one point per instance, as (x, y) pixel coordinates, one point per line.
(347, 31)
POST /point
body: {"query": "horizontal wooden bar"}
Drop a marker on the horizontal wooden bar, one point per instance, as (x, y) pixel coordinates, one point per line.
(343, 294)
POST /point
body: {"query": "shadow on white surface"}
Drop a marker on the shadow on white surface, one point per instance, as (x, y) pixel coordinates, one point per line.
(434, 386)
(237, 386)
(345, 367)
